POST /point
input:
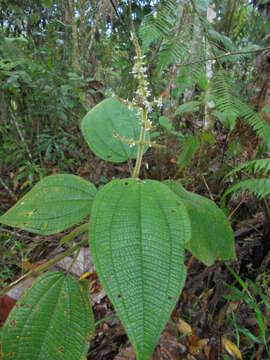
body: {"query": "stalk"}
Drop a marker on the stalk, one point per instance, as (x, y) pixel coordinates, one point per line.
(43, 267)
(140, 145)
(141, 95)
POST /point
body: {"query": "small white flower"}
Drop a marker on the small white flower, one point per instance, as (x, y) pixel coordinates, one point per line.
(148, 125)
(159, 102)
(211, 104)
(148, 106)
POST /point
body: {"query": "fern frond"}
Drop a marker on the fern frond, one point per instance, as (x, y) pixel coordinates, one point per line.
(158, 23)
(228, 99)
(172, 51)
(254, 119)
(259, 187)
(191, 75)
(261, 166)
(217, 37)
(223, 91)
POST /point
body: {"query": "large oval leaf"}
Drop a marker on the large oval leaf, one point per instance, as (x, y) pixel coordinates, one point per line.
(53, 320)
(211, 234)
(54, 204)
(138, 230)
(106, 119)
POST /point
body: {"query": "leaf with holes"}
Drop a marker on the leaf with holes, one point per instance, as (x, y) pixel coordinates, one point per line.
(108, 127)
(54, 204)
(53, 320)
(211, 234)
(138, 231)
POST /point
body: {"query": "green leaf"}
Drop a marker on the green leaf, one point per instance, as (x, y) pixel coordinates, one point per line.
(211, 235)
(249, 335)
(208, 138)
(191, 145)
(54, 204)
(138, 230)
(191, 106)
(103, 122)
(53, 320)
(227, 118)
(165, 123)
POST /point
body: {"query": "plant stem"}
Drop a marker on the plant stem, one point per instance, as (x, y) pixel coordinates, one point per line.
(11, 193)
(43, 267)
(143, 94)
(140, 145)
(73, 234)
(75, 257)
(267, 209)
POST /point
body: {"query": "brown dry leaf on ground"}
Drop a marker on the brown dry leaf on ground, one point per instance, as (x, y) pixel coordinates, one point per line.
(231, 348)
(168, 348)
(8, 301)
(198, 347)
(183, 327)
(127, 353)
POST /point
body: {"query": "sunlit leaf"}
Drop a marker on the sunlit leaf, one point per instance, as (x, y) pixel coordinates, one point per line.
(54, 204)
(108, 127)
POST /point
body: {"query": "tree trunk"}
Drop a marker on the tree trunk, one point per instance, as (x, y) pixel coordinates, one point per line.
(75, 53)
(208, 120)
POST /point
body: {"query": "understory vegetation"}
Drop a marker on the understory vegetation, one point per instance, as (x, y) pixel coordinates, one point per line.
(134, 179)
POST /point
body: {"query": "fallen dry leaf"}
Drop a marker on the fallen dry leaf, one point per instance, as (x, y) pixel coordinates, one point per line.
(231, 348)
(198, 347)
(126, 354)
(8, 301)
(6, 305)
(26, 265)
(169, 347)
(86, 275)
(183, 327)
(207, 351)
(206, 298)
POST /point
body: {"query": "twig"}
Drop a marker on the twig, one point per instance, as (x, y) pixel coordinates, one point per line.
(190, 261)
(114, 8)
(208, 189)
(224, 55)
(14, 233)
(21, 135)
(11, 193)
(236, 208)
(43, 267)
